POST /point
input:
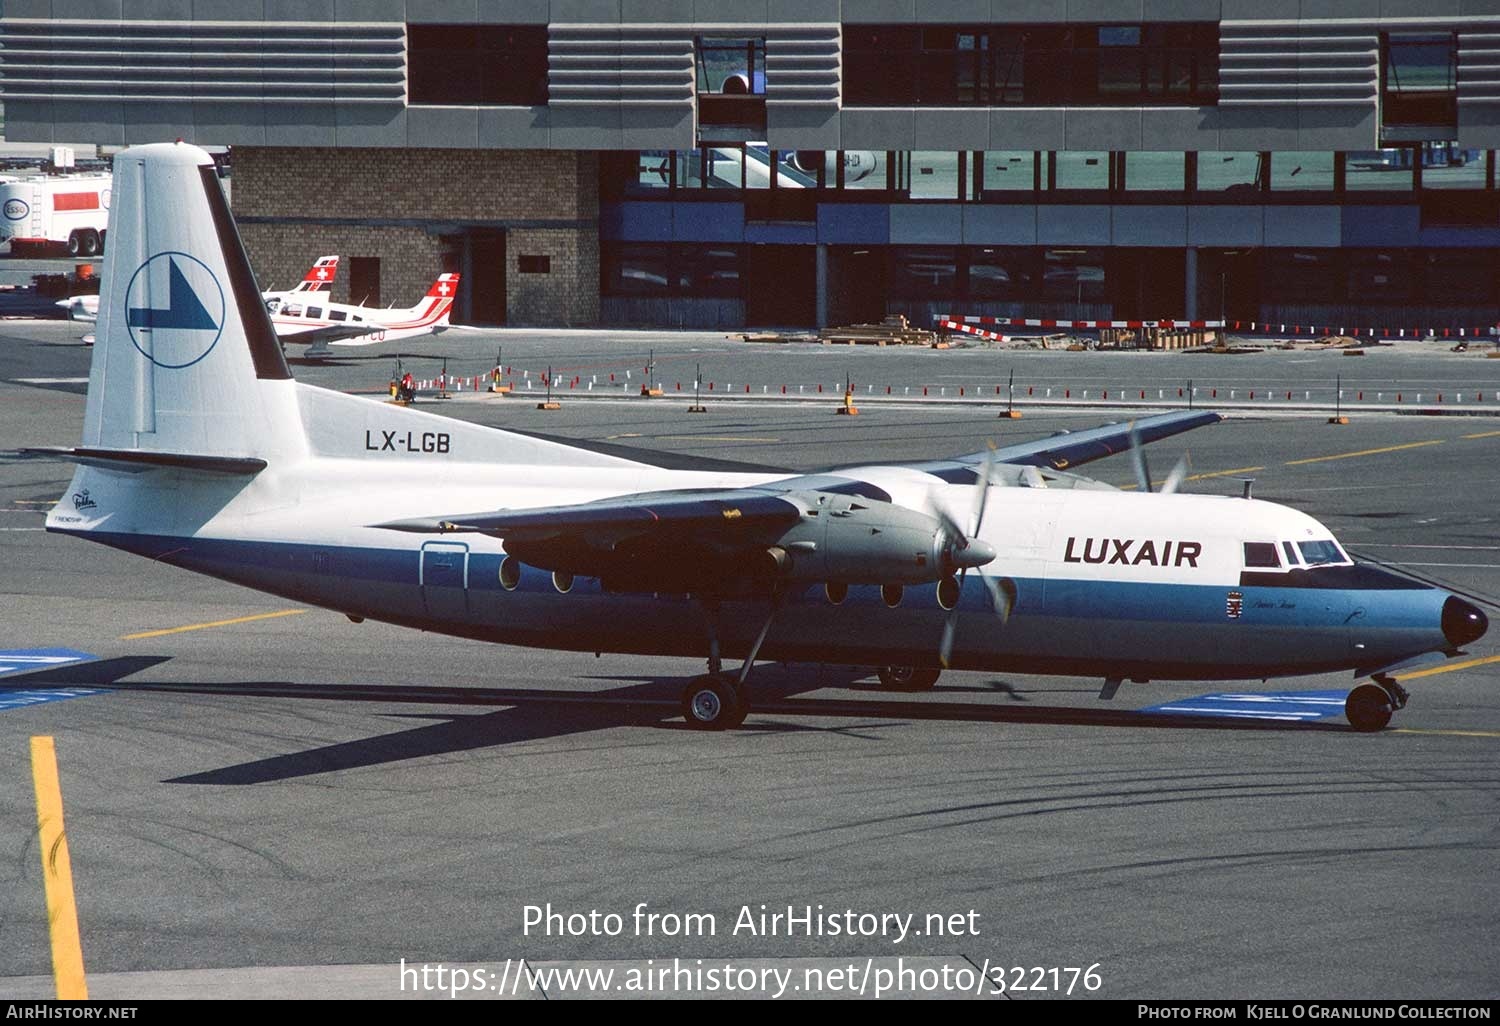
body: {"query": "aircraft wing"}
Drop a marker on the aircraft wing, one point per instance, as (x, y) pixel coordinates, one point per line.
(1074, 448)
(725, 512)
(324, 336)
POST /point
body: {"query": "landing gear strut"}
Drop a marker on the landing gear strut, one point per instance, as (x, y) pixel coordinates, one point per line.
(714, 701)
(1369, 706)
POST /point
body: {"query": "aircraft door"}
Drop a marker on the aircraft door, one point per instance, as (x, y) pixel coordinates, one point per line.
(445, 580)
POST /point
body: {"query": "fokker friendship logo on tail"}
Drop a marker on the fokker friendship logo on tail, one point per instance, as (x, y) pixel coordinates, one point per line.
(177, 334)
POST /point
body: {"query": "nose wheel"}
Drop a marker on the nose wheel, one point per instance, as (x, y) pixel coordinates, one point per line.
(1369, 706)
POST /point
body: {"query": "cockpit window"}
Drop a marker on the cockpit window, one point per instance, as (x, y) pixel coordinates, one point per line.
(1261, 554)
(273, 306)
(1291, 553)
(1318, 553)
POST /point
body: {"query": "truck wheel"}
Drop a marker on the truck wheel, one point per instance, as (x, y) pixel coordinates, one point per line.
(88, 242)
(75, 244)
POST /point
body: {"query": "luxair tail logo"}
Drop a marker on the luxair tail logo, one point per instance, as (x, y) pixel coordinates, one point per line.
(174, 310)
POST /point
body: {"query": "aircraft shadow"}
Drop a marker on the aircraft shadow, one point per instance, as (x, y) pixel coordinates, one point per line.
(532, 714)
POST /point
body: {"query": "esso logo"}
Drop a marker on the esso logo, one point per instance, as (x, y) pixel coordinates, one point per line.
(16, 209)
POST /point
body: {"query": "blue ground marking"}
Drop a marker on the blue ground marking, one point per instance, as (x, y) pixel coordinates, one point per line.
(30, 660)
(1260, 705)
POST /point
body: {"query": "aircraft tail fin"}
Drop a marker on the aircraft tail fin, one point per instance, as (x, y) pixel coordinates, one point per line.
(436, 306)
(319, 277)
(185, 357)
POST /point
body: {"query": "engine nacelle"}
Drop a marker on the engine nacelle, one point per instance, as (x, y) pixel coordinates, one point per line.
(854, 540)
(858, 164)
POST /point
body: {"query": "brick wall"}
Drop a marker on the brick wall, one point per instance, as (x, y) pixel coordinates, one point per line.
(437, 194)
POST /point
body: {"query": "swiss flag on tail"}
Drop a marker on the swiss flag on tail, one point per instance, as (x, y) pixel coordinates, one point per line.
(319, 277)
(444, 288)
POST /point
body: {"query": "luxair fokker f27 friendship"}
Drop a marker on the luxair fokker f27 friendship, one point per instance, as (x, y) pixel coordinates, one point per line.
(200, 450)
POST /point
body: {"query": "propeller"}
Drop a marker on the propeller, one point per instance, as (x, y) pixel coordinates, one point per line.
(965, 550)
(1143, 472)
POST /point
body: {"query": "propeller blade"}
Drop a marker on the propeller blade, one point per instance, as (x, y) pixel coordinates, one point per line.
(1001, 598)
(950, 625)
(1177, 476)
(1138, 461)
(982, 487)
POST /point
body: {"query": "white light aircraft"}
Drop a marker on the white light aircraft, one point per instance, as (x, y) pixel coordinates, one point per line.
(300, 318)
(200, 450)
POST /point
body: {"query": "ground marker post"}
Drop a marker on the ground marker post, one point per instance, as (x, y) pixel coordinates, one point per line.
(57, 874)
(698, 406)
(1338, 396)
(848, 406)
(549, 403)
(1010, 412)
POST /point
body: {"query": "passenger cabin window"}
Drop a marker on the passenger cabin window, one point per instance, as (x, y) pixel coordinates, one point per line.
(1319, 553)
(1291, 553)
(337, 315)
(1261, 554)
(315, 311)
(293, 310)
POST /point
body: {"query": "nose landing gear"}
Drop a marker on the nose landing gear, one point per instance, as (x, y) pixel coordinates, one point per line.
(1369, 706)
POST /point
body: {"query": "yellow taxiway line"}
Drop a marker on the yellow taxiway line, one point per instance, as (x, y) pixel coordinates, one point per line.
(57, 874)
(1445, 733)
(1484, 434)
(1447, 668)
(213, 623)
(1364, 452)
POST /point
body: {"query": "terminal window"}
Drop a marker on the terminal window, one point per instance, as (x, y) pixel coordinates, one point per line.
(999, 65)
(500, 65)
(1419, 75)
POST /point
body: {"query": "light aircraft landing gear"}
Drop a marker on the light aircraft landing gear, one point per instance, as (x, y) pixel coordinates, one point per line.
(908, 678)
(1369, 706)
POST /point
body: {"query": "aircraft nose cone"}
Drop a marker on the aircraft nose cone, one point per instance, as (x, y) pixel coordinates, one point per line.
(978, 553)
(1463, 622)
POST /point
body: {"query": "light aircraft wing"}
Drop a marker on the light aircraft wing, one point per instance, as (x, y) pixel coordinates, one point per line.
(325, 336)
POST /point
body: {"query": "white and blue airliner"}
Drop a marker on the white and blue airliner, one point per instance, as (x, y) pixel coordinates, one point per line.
(200, 450)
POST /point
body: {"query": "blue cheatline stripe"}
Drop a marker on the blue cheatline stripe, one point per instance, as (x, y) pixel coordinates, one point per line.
(1259, 705)
(30, 660)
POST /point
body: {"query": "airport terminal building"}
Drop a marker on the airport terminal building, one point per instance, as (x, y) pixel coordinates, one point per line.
(729, 163)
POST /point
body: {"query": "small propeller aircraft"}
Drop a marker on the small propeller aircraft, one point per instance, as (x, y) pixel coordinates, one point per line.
(200, 450)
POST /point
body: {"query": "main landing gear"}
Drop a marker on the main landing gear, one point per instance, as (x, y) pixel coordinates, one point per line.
(1369, 706)
(908, 678)
(715, 701)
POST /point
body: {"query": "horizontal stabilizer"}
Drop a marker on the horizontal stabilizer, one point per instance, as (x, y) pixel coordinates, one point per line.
(137, 460)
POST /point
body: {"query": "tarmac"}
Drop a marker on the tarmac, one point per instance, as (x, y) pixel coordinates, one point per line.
(265, 800)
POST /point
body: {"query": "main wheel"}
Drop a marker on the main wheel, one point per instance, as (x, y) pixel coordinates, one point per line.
(908, 678)
(712, 703)
(1368, 708)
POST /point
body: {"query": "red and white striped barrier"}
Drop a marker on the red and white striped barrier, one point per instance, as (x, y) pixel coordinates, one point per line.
(993, 336)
